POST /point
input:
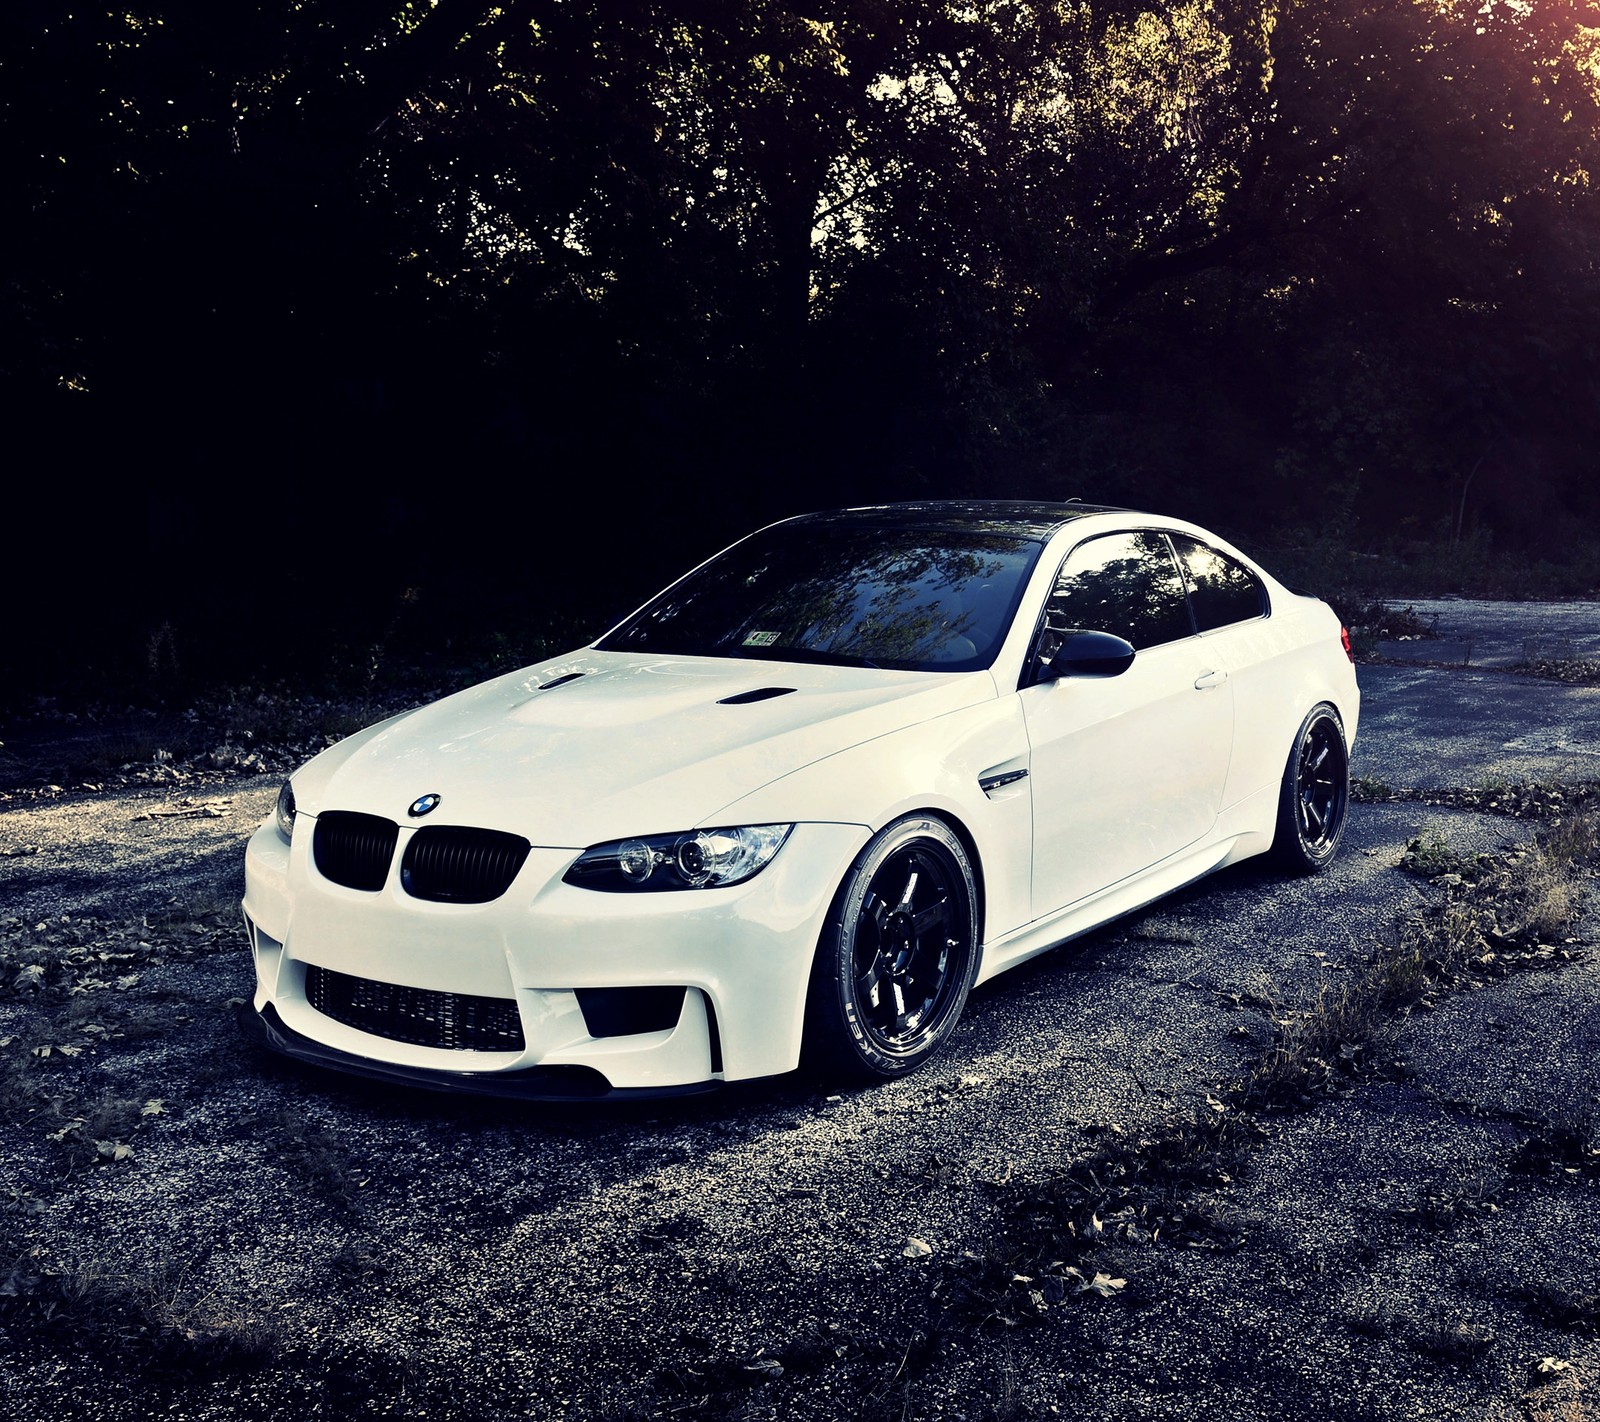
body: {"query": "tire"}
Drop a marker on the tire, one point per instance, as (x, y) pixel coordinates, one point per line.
(898, 954)
(1314, 796)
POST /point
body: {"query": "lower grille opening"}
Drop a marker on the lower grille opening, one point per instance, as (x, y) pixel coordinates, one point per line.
(455, 1021)
(626, 1012)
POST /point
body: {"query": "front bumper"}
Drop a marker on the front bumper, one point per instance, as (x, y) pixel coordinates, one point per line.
(742, 956)
(538, 1083)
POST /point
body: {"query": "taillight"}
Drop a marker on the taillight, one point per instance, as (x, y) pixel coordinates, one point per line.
(1344, 637)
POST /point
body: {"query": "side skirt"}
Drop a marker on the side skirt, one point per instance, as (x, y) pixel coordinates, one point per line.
(1132, 893)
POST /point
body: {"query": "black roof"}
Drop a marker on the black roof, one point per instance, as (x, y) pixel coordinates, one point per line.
(1014, 516)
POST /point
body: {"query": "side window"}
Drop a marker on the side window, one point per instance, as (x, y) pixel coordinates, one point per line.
(1123, 583)
(1223, 590)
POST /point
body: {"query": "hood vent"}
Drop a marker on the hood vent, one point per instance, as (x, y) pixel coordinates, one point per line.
(765, 693)
(561, 680)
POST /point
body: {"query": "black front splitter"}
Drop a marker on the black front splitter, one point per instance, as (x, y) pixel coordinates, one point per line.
(537, 1083)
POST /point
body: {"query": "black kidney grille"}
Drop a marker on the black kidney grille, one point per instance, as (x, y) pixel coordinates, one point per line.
(354, 849)
(456, 864)
(456, 1021)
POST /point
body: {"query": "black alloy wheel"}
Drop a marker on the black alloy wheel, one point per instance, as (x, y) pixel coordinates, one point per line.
(898, 954)
(1314, 795)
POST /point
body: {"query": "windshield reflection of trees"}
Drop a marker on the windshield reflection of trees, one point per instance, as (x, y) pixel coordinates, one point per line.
(868, 598)
(1130, 588)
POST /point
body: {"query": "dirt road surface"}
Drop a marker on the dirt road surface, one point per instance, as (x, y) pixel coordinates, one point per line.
(196, 1232)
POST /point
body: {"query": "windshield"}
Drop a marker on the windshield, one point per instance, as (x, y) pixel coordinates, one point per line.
(915, 599)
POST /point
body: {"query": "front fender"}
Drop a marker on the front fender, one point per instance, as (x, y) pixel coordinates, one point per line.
(933, 766)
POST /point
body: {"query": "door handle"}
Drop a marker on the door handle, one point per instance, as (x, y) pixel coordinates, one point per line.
(1206, 680)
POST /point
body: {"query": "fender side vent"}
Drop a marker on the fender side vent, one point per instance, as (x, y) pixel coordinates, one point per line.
(765, 693)
(991, 783)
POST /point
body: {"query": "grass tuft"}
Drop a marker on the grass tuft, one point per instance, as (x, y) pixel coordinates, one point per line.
(1520, 799)
(164, 1314)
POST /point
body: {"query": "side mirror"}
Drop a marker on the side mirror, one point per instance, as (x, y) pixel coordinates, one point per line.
(1089, 654)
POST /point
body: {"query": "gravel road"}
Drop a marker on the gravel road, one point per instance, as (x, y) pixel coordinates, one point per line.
(1468, 631)
(783, 1249)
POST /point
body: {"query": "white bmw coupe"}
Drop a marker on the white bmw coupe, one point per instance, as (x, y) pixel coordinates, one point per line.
(799, 804)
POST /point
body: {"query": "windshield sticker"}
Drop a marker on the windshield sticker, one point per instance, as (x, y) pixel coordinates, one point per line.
(761, 639)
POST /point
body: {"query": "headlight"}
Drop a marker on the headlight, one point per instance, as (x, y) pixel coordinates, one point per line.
(285, 810)
(692, 859)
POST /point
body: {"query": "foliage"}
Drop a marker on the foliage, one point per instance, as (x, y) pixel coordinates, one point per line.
(348, 279)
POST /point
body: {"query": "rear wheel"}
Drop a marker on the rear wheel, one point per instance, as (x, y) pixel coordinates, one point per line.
(898, 953)
(1314, 795)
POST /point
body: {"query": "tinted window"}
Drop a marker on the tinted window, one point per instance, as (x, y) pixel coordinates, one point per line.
(907, 598)
(1223, 590)
(1126, 584)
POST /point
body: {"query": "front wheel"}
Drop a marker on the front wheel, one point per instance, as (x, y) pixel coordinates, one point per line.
(1314, 794)
(898, 953)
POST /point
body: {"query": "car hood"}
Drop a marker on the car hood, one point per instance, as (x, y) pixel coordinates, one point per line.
(632, 744)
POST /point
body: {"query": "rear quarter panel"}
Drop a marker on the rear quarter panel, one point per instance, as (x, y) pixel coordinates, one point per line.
(1282, 666)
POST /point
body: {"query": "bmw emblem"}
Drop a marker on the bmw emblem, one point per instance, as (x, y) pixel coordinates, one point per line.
(423, 805)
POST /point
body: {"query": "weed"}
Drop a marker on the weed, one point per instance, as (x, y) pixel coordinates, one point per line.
(1573, 841)
(1407, 624)
(1451, 1340)
(1318, 1050)
(1500, 910)
(209, 906)
(1560, 1307)
(357, 1262)
(1521, 799)
(114, 1117)
(1442, 943)
(1429, 854)
(311, 1153)
(25, 1091)
(102, 1133)
(163, 1313)
(1437, 1207)
(1078, 1236)
(1373, 1320)
(1445, 1338)
(1575, 671)
(1554, 1394)
(1549, 896)
(1567, 1145)
(1368, 789)
(117, 1021)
